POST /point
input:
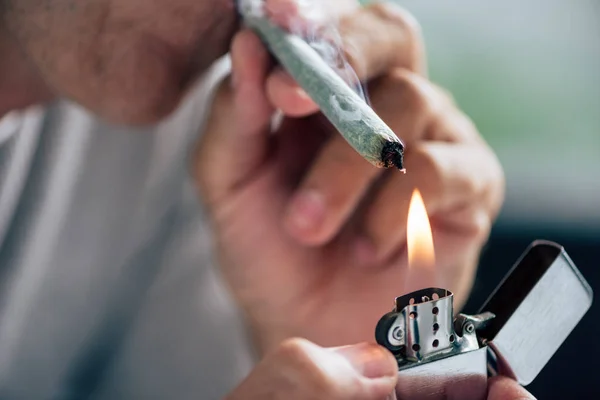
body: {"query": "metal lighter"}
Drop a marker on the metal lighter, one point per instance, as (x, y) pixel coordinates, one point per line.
(515, 333)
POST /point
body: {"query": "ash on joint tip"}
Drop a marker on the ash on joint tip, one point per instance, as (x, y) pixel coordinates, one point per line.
(392, 155)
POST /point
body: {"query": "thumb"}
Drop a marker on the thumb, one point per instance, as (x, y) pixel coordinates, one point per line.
(503, 388)
(235, 142)
(300, 370)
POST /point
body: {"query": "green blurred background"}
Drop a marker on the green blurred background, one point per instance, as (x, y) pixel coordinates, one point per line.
(528, 74)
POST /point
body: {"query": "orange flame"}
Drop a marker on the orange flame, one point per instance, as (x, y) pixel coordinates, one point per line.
(418, 234)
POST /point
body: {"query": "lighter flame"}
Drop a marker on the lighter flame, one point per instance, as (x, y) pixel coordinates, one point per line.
(418, 232)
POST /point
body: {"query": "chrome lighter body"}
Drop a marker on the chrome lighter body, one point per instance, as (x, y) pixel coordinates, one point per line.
(517, 331)
(462, 376)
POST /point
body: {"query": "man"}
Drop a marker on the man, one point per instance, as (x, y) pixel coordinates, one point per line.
(107, 286)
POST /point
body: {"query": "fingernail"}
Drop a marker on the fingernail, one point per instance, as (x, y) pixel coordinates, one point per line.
(301, 93)
(307, 211)
(370, 361)
(285, 78)
(364, 251)
(290, 83)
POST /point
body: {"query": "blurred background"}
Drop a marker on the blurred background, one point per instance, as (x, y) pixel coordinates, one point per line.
(528, 73)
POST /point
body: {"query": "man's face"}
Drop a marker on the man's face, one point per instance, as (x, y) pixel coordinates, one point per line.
(130, 61)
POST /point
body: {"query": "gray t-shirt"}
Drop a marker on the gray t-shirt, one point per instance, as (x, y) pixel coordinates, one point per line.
(107, 287)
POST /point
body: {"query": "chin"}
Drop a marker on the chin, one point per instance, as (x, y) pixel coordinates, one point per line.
(148, 87)
(130, 64)
(138, 81)
(145, 86)
(146, 108)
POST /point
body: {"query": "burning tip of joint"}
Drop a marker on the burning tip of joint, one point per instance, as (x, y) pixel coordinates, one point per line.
(392, 155)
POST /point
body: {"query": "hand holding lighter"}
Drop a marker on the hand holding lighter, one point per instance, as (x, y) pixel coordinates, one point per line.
(520, 326)
(515, 333)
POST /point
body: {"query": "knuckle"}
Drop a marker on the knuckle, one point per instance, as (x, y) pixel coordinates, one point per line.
(448, 123)
(459, 126)
(470, 186)
(295, 353)
(353, 55)
(433, 169)
(496, 185)
(481, 226)
(480, 221)
(400, 18)
(399, 88)
(467, 125)
(413, 87)
(381, 36)
(293, 349)
(445, 95)
(396, 14)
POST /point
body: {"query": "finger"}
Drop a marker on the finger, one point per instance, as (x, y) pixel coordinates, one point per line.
(286, 95)
(299, 369)
(330, 191)
(405, 100)
(374, 40)
(450, 177)
(380, 37)
(286, 12)
(339, 178)
(503, 388)
(236, 138)
(297, 15)
(417, 110)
